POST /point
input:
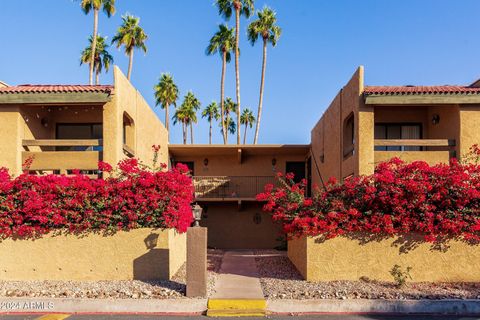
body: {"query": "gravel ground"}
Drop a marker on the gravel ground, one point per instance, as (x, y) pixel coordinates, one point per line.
(133, 289)
(281, 280)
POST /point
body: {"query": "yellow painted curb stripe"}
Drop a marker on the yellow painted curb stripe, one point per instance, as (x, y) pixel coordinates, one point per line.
(56, 316)
(237, 304)
(228, 314)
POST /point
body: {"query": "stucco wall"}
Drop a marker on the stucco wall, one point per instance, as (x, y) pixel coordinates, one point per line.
(327, 134)
(469, 128)
(11, 127)
(149, 130)
(229, 227)
(136, 254)
(349, 259)
(297, 253)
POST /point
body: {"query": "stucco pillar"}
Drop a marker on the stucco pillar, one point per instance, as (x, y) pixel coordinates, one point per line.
(197, 262)
(469, 133)
(365, 137)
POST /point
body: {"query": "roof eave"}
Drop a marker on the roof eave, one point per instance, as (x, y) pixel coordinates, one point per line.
(416, 99)
(56, 98)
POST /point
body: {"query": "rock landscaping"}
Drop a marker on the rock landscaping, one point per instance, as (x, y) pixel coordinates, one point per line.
(281, 280)
(133, 289)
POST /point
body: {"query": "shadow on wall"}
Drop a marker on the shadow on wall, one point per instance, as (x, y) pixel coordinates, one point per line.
(153, 265)
(404, 242)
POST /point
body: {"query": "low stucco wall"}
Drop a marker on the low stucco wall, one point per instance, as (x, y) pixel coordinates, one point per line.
(343, 258)
(144, 254)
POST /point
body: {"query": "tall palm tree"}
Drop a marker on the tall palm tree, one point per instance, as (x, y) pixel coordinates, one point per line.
(230, 106)
(266, 28)
(245, 8)
(103, 59)
(180, 116)
(166, 94)
(95, 5)
(211, 113)
(247, 119)
(223, 42)
(189, 108)
(132, 36)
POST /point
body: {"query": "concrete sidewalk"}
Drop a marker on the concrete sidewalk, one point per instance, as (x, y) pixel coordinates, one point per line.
(237, 290)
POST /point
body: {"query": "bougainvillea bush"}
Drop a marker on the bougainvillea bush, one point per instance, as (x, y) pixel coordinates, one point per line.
(437, 201)
(133, 196)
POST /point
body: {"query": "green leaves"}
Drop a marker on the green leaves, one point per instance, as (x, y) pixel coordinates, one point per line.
(130, 34)
(264, 27)
(166, 91)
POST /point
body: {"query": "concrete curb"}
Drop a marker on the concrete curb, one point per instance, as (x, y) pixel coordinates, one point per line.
(147, 306)
(456, 307)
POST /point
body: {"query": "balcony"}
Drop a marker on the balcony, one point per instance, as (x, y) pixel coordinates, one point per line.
(230, 188)
(432, 151)
(62, 155)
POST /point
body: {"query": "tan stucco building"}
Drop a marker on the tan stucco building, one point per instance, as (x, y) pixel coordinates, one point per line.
(73, 127)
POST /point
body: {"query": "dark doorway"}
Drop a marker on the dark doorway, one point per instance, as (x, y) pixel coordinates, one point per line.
(309, 177)
(297, 168)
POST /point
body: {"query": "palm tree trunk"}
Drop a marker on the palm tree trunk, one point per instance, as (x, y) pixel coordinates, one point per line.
(237, 69)
(184, 133)
(227, 121)
(222, 97)
(210, 134)
(245, 134)
(167, 120)
(262, 83)
(130, 63)
(97, 77)
(94, 44)
(191, 132)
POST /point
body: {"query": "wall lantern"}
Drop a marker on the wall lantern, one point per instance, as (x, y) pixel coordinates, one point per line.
(197, 214)
(44, 122)
(274, 162)
(205, 162)
(435, 119)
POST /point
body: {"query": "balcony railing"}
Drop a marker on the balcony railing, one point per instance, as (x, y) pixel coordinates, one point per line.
(431, 151)
(230, 187)
(62, 155)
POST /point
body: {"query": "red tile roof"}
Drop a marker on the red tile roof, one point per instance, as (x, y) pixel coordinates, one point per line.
(41, 88)
(408, 90)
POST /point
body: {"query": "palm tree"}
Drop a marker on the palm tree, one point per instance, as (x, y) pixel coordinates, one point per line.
(211, 113)
(266, 28)
(95, 5)
(230, 106)
(166, 94)
(223, 42)
(180, 116)
(189, 108)
(103, 59)
(247, 119)
(245, 8)
(132, 36)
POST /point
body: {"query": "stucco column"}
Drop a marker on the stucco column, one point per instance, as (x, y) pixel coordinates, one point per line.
(197, 262)
(365, 141)
(469, 133)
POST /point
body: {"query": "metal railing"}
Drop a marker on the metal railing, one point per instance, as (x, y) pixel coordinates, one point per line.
(230, 187)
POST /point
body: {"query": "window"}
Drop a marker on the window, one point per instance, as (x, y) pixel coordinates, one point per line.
(78, 131)
(128, 131)
(398, 131)
(297, 168)
(348, 136)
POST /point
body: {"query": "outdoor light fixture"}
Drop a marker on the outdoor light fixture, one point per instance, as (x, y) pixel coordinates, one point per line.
(205, 162)
(435, 119)
(197, 214)
(274, 161)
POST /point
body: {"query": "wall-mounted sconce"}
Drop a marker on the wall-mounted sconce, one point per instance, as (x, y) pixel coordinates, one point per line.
(44, 122)
(274, 161)
(205, 162)
(435, 119)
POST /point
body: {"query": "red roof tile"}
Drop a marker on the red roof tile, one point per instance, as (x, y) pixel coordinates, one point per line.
(407, 90)
(30, 88)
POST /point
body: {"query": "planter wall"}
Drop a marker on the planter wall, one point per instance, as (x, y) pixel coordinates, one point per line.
(143, 254)
(344, 258)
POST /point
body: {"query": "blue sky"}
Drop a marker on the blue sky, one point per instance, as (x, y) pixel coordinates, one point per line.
(323, 41)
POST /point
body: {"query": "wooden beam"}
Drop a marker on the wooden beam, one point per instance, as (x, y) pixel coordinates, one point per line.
(421, 99)
(128, 151)
(414, 142)
(53, 98)
(239, 155)
(62, 143)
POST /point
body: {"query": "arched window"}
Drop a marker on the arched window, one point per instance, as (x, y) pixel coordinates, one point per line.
(349, 136)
